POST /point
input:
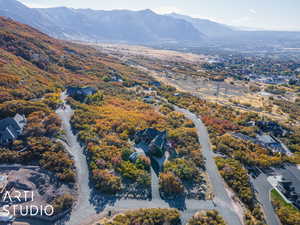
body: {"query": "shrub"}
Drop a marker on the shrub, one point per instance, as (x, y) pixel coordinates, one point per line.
(62, 203)
(170, 185)
(182, 168)
(106, 181)
(207, 218)
(147, 217)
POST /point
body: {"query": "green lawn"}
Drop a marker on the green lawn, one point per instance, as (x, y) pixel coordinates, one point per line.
(279, 199)
(287, 213)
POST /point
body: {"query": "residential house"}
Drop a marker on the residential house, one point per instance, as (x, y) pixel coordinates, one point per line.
(287, 189)
(79, 93)
(159, 144)
(116, 78)
(264, 140)
(148, 99)
(11, 128)
(154, 83)
(155, 139)
(272, 127)
(134, 156)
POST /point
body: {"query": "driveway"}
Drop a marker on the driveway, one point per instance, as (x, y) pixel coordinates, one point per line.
(83, 208)
(263, 188)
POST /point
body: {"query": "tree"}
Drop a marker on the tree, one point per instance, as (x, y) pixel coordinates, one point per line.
(106, 181)
(211, 217)
(170, 185)
(237, 178)
(147, 217)
(62, 203)
(95, 99)
(143, 163)
(182, 168)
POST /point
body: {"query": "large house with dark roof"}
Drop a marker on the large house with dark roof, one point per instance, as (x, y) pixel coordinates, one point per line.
(80, 93)
(154, 83)
(11, 128)
(271, 127)
(155, 139)
(159, 144)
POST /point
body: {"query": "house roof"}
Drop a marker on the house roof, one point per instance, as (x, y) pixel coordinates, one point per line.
(134, 156)
(160, 140)
(155, 83)
(266, 139)
(9, 122)
(151, 133)
(8, 134)
(10, 128)
(20, 120)
(81, 91)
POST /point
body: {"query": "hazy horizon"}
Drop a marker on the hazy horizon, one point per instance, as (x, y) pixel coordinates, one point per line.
(268, 14)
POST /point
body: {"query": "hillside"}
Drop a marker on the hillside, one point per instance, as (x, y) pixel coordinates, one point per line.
(36, 68)
(19, 12)
(32, 63)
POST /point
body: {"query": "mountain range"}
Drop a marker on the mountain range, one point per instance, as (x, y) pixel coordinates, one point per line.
(98, 25)
(209, 28)
(125, 26)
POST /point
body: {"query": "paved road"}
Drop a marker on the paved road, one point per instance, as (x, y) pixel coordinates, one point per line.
(291, 173)
(154, 185)
(222, 199)
(263, 188)
(83, 208)
(154, 179)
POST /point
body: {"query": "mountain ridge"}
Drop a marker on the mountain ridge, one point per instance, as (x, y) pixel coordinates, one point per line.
(208, 27)
(143, 26)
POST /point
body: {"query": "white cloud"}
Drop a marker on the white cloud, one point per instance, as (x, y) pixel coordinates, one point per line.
(253, 11)
(167, 9)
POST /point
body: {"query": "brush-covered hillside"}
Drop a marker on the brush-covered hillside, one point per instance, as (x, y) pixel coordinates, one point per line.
(32, 63)
(35, 69)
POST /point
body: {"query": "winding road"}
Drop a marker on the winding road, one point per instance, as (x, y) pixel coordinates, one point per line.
(260, 183)
(222, 200)
(83, 208)
(85, 211)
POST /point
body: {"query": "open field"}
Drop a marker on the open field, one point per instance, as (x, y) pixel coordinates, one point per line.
(134, 50)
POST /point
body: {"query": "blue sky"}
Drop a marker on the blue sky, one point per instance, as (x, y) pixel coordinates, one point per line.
(263, 14)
